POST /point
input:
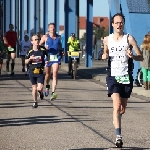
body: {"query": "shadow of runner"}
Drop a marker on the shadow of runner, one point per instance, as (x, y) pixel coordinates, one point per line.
(20, 76)
(35, 120)
(15, 77)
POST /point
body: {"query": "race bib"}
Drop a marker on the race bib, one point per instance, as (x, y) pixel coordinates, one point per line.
(37, 60)
(53, 58)
(10, 49)
(123, 79)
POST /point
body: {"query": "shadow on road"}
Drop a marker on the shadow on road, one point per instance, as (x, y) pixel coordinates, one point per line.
(36, 120)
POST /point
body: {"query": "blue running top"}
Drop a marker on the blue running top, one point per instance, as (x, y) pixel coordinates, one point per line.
(53, 45)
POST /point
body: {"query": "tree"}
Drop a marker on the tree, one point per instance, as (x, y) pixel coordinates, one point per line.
(83, 36)
(99, 32)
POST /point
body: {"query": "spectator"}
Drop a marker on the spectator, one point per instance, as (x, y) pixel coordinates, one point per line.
(145, 49)
(11, 40)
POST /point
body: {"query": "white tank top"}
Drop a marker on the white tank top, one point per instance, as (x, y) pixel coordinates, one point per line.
(25, 46)
(118, 55)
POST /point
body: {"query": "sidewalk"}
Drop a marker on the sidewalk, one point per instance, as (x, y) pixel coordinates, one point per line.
(98, 73)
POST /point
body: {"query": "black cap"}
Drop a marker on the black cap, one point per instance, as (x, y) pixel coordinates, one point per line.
(72, 34)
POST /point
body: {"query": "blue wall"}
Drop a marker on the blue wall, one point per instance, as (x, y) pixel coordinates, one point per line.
(137, 25)
(140, 25)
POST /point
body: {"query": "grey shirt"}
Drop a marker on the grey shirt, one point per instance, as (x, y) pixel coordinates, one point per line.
(146, 55)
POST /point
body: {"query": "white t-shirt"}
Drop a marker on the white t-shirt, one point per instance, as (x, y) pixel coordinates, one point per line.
(25, 46)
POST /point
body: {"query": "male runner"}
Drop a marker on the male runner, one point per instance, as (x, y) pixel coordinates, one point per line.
(11, 37)
(36, 60)
(120, 68)
(53, 46)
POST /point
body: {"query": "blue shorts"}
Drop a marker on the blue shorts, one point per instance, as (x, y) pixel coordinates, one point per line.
(53, 62)
(36, 78)
(113, 86)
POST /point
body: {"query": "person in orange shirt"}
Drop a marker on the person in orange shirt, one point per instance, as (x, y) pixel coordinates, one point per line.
(11, 40)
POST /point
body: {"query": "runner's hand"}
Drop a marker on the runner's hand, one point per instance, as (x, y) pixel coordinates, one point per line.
(105, 56)
(129, 53)
(32, 57)
(46, 46)
(63, 54)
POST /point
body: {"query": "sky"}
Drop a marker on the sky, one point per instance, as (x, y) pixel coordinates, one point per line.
(100, 8)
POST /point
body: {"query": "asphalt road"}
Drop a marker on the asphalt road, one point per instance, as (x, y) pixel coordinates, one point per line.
(80, 118)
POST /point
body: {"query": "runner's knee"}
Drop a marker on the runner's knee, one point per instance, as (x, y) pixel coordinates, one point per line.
(34, 88)
(40, 87)
(47, 75)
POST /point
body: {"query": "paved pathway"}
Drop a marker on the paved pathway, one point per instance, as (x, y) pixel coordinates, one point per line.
(80, 119)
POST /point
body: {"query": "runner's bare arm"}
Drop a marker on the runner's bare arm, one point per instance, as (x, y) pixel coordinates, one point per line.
(106, 51)
(5, 40)
(42, 41)
(27, 60)
(138, 56)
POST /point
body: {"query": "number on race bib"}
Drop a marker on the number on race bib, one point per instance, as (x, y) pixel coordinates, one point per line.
(53, 57)
(37, 60)
(123, 79)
